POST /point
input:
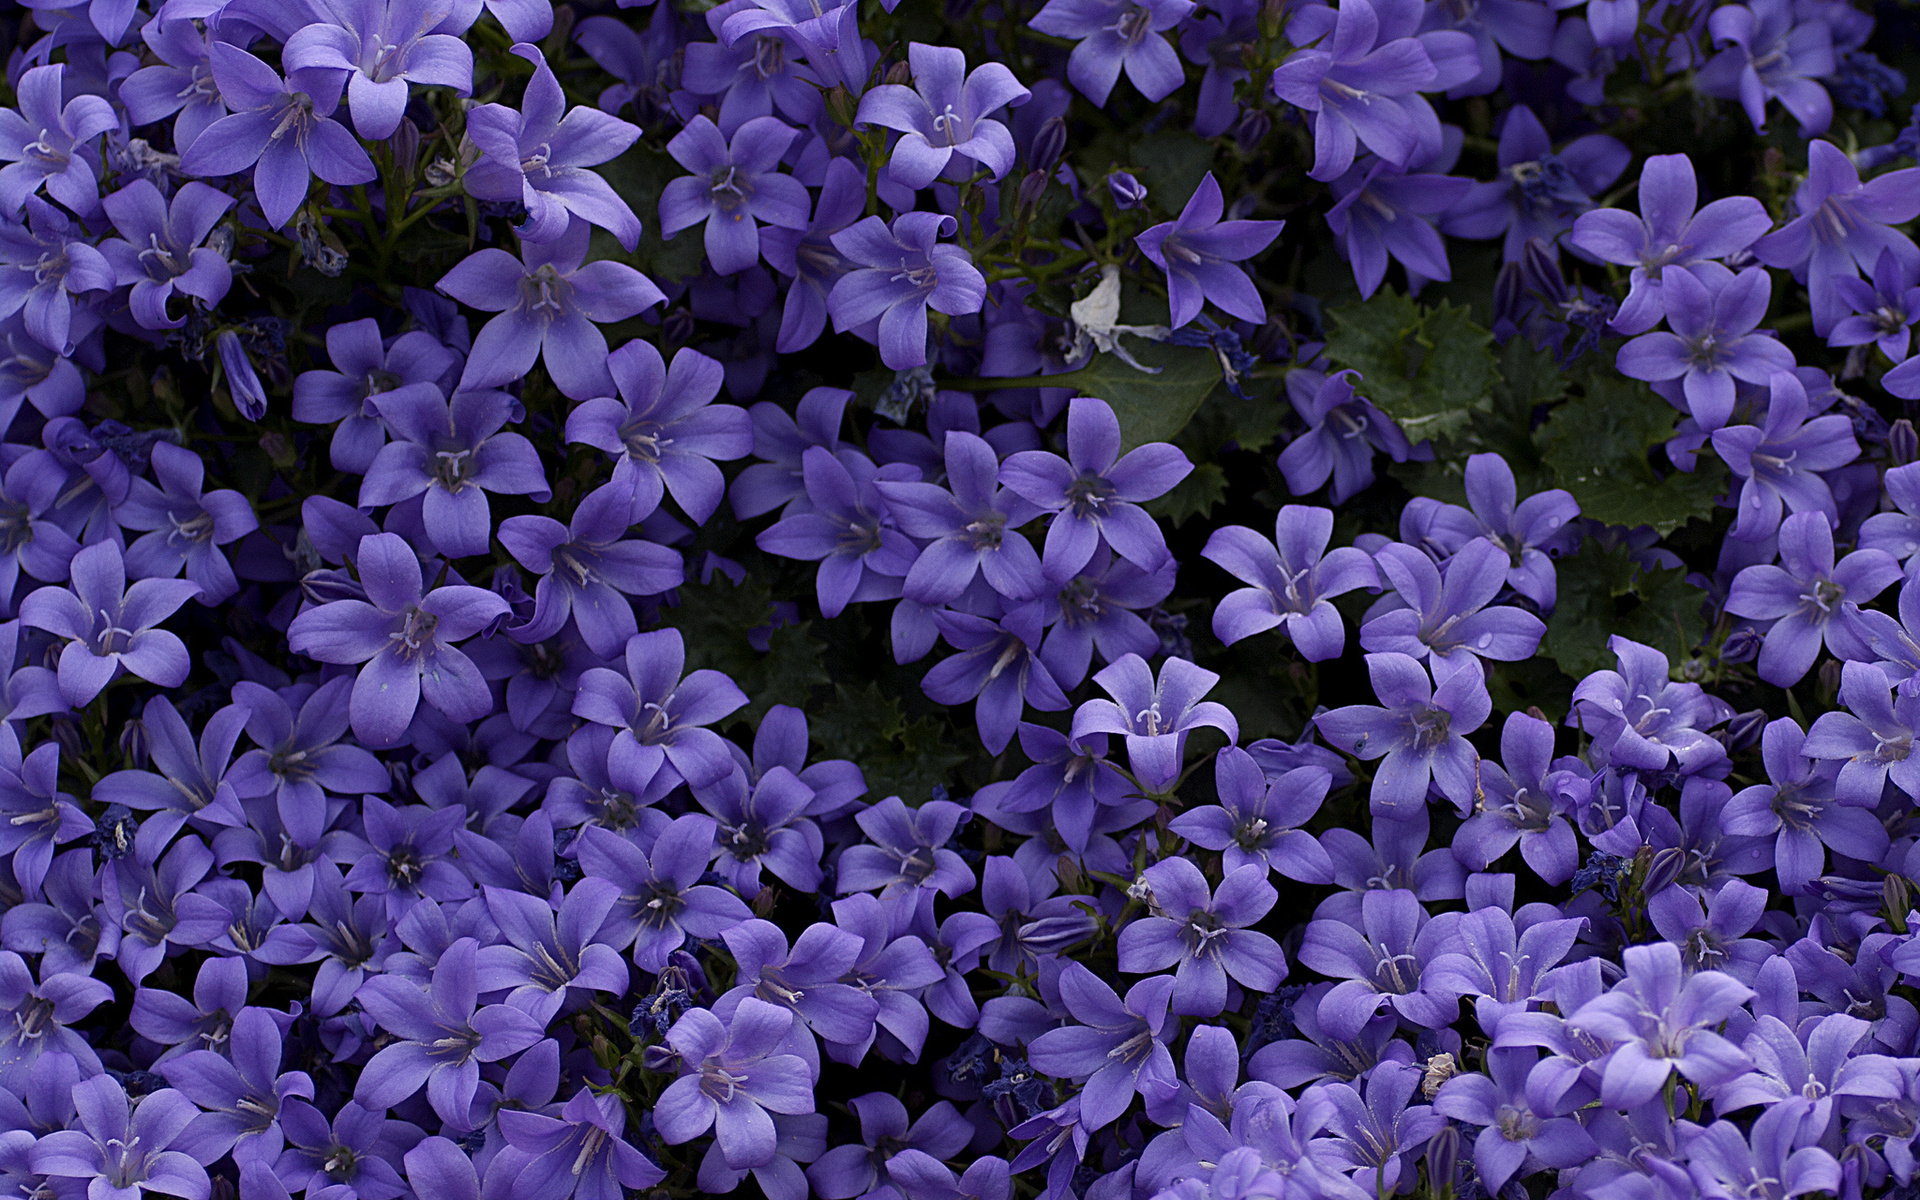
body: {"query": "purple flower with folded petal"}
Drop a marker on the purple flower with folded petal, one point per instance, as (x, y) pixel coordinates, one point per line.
(1668, 233)
(1382, 210)
(1381, 958)
(188, 525)
(866, 1169)
(1525, 798)
(282, 128)
(894, 968)
(51, 140)
(383, 46)
(1343, 432)
(581, 1150)
(1808, 1069)
(809, 257)
(826, 33)
(1713, 938)
(192, 777)
(587, 570)
(1797, 804)
(1770, 55)
(407, 856)
(1721, 1162)
(1154, 716)
(1095, 492)
(1205, 933)
(1503, 966)
(1446, 619)
(1361, 83)
(907, 850)
(805, 978)
(1112, 34)
(1520, 1135)
(974, 527)
(1842, 228)
(1809, 598)
(405, 637)
(898, 273)
(1117, 1048)
(111, 624)
(736, 1075)
(1531, 531)
(848, 531)
(1201, 255)
(1258, 823)
(1873, 740)
(161, 250)
(180, 82)
(943, 120)
(1781, 460)
(441, 1035)
(1661, 1020)
(121, 1150)
(50, 269)
(659, 716)
(751, 75)
(1712, 312)
(658, 899)
(1420, 733)
(1539, 192)
(39, 1014)
(549, 300)
(735, 185)
(414, 363)
(1638, 717)
(243, 1089)
(1882, 309)
(553, 962)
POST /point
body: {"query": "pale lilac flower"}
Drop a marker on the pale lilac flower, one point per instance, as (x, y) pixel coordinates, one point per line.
(1112, 34)
(946, 116)
(111, 624)
(1154, 716)
(1204, 931)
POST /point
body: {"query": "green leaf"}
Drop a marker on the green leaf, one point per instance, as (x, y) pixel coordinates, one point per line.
(1195, 496)
(1151, 408)
(1603, 592)
(899, 757)
(1597, 445)
(1427, 368)
(1171, 163)
(715, 620)
(644, 171)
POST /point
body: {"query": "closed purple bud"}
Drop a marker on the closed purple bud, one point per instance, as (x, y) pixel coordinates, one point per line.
(1048, 144)
(1743, 732)
(1253, 128)
(68, 735)
(329, 584)
(1827, 682)
(134, 743)
(1128, 192)
(676, 328)
(1903, 443)
(900, 74)
(1663, 871)
(1443, 1158)
(1032, 188)
(242, 381)
(405, 144)
(1742, 646)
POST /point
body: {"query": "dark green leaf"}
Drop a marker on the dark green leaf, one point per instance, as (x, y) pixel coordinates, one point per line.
(1597, 446)
(899, 757)
(1195, 496)
(1172, 164)
(715, 620)
(1151, 408)
(1428, 369)
(1603, 592)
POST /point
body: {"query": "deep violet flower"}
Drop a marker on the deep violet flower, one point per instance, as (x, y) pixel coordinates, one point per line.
(1809, 598)
(1419, 734)
(1154, 715)
(1204, 932)
(898, 273)
(945, 117)
(1115, 34)
(1201, 255)
(111, 624)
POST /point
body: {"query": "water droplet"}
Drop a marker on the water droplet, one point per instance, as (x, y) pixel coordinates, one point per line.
(1486, 639)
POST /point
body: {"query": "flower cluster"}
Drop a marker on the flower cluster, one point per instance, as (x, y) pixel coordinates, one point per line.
(1082, 599)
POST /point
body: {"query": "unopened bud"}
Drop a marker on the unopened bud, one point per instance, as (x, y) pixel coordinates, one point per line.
(1827, 682)
(405, 144)
(1253, 128)
(1032, 188)
(1741, 646)
(1128, 192)
(1443, 1160)
(134, 743)
(1903, 443)
(900, 74)
(1898, 898)
(1440, 1068)
(677, 326)
(841, 105)
(1273, 17)
(1743, 732)
(323, 586)
(68, 735)
(1048, 144)
(279, 450)
(1663, 871)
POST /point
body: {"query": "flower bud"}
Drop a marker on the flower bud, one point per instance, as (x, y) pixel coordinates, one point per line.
(900, 74)
(1252, 129)
(1663, 871)
(1903, 443)
(1897, 898)
(134, 743)
(1827, 682)
(676, 328)
(65, 732)
(1032, 188)
(331, 584)
(1741, 646)
(1443, 1158)
(1048, 144)
(1743, 732)
(841, 104)
(279, 450)
(1128, 192)
(405, 144)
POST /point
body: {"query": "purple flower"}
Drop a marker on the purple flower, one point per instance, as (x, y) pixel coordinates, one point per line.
(405, 637)
(1381, 959)
(664, 432)
(809, 257)
(1382, 210)
(364, 367)
(1797, 802)
(301, 759)
(383, 45)
(552, 962)
(51, 268)
(659, 716)
(441, 1035)
(945, 116)
(1343, 432)
(1713, 938)
(1361, 82)
(1116, 1048)
(349, 1157)
(1257, 821)
(1519, 1134)
(1530, 531)
(1873, 740)
(1111, 34)
(1539, 192)
(658, 899)
(867, 1170)
(1769, 55)
(1205, 934)
(847, 529)
(180, 82)
(1200, 254)
(283, 129)
(1809, 598)
(1781, 460)
(243, 1089)
(189, 526)
(1154, 716)
(587, 570)
(1883, 309)
(548, 301)
(111, 624)
(751, 75)
(736, 1076)
(50, 140)
(804, 978)
(582, 1150)
(907, 851)
(1638, 717)
(1668, 233)
(161, 250)
(39, 1015)
(761, 824)
(1095, 492)
(122, 1150)
(1446, 620)
(1806, 1070)
(973, 527)
(734, 186)
(1661, 1020)
(1722, 1163)
(1095, 607)
(1525, 798)
(899, 272)
(1712, 312)
(1842, 228)
(1419, 734)
(1502, 965)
